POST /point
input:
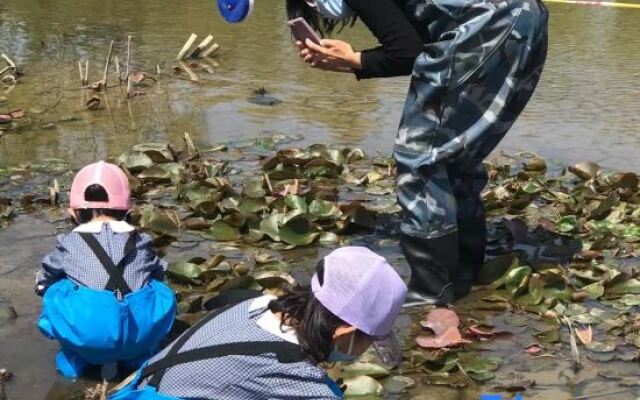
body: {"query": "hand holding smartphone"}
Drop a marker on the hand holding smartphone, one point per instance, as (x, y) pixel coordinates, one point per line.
(301, 31)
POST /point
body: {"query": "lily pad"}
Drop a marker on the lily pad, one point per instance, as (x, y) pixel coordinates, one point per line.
(223, 231)
(298, 231)
(362, 386)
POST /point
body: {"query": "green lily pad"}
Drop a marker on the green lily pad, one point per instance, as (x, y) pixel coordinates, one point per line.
(270, 227)
(601, 347)
(223, 231)
(362, 386)
(594, 290)
(298, 231)
(481, 369)
(185, 272)
(630, 286)
(517, 279)
(158, 152)
(373, 370)
(135, 161)
(296, 202)
(324, 209)
(567, 224)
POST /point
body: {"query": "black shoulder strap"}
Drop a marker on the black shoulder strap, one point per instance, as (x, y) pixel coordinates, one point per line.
(116, 272)
(285, 351)
(155, 379)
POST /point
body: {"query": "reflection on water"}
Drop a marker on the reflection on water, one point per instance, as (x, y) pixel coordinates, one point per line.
(585, 106)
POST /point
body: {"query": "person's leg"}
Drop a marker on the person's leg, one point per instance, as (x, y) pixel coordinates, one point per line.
(69, 364)
(428, 239)
(466, 91)
(428, 229)
(501, 89)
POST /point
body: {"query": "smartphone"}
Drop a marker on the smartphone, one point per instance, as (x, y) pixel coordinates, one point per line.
(302, 31)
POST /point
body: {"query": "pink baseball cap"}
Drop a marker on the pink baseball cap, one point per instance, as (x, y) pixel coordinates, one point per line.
(110, 177)
(362, 289)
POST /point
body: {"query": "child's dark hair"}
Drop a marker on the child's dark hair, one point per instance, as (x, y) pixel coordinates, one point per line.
(96, 192)
(313, 323)
(299, 8)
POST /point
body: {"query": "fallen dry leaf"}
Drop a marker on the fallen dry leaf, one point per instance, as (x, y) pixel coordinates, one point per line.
(440, 320)
(449, 338)
(585, 335)
(533, 349)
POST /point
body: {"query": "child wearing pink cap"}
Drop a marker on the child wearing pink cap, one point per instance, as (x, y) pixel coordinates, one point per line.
(103, 296)
(262, 347)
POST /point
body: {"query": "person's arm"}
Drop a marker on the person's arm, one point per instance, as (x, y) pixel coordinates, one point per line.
(52, 268)
(400, 42)
(154, 265)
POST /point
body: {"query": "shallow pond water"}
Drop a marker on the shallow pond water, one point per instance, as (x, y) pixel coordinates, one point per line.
(586, 107)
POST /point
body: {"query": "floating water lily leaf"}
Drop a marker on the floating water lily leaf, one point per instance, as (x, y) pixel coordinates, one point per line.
(241, 282)
(594, 290)
(160, 222)
(185, 272)
(296, 202)
(135, 161)
(601, 347)
(445, 363)
(585, 170)
(535, 295)
(517, 279)
(328, 238)
(223, 231)
(270, 227)
(495, 268)
(298, 231)
(251, 206)
(567, 224)
(373, 370)
(630, 300)
(158, 152)
(324, 209)
(155, 174)
(630, 286)
(362, 386)
(274, 279)
(398, 385)
(481, 369)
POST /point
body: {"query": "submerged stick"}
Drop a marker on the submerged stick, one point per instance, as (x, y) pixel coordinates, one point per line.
(8, 60)
(128, 53)
(117, 61)
(186, 46)
(192, 75)
(106, 67)
(86, 72)
(81, 73)
(214, 47)
(201, 47)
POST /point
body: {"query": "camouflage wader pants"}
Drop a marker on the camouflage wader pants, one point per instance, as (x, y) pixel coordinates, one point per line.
(467, 89)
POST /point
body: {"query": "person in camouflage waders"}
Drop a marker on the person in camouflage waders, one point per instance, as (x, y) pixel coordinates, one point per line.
(474, 65)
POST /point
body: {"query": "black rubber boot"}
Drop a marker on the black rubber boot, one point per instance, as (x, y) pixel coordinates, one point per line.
(472, 235)
(432, 263)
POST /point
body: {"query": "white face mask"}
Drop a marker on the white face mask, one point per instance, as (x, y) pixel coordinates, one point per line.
(336, 10)
(338, 356)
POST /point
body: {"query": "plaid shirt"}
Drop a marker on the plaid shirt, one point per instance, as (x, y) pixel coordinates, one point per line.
(243, 377)
(73, 259)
